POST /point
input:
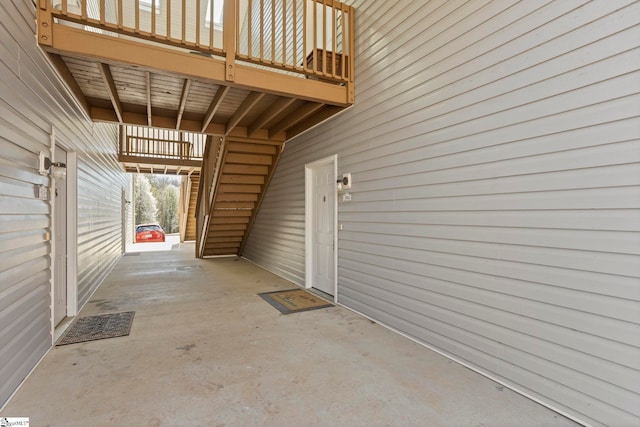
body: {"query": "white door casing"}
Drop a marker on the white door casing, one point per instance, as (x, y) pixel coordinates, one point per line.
(320, 229)
(60, 243)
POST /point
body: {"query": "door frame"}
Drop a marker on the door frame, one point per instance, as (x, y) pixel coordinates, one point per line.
(308, 220)
(71, 234)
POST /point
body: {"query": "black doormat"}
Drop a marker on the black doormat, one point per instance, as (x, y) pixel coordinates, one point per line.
(93, 328)
(294, 301)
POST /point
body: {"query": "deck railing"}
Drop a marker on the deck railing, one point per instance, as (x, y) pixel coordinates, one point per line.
(161, 144)
(309, 37)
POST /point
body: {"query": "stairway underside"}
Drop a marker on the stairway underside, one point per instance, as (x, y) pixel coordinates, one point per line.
(241, 178)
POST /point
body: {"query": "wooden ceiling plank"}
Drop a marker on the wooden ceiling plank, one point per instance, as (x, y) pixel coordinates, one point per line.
(271, 112)
(113, 91)
(291, 120)
(71, 82)
(183, 101)
(249, 102)
(215, 104)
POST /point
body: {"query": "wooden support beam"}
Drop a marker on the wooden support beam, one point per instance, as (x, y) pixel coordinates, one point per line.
(71, 82)
(278, 107)
(147, 77)
(105, 71)
(139, 119)
(322, 115)
(249, 102)
(183, 101)
(302, 113)
(215, 104)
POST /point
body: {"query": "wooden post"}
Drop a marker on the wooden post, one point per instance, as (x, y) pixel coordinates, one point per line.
(229, 33)
(45, 23)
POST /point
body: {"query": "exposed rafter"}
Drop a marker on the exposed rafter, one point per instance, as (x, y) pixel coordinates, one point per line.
(302, 113)
(322, 115)
(215, 104)
(111, 88)
(183, 101)
(269, 114)
(250, 101)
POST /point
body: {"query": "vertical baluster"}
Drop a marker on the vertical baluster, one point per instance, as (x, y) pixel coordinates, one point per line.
(294, 27)
(343, 51)
(102, 12)
(169, 19)
(315, 37)
(184, 20)
(84, 8)
(65, 7)
(351, 43)
(137, 15)
(261, 30)
(250, 30)
(237, 27)
(324, 36)
(119, 12)
(334, 56)
(273, 31)
(304, 34)
(198, 22)
(211, 23)
(153, 17)
(284, 31)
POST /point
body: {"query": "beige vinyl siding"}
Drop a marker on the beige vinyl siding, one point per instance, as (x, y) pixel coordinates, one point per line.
(494, 148)
(32, 102)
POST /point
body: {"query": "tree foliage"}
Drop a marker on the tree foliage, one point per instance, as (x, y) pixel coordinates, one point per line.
(145, 201)
(158, 194)
(168, 208)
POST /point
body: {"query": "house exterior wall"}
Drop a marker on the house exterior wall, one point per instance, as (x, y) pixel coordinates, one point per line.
(494, 148)
(33, 101)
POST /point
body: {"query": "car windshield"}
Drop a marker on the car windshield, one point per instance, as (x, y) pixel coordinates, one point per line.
(142, 228)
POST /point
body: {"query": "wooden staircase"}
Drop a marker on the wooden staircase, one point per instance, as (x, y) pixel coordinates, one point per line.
(189, 196)
(243, 169)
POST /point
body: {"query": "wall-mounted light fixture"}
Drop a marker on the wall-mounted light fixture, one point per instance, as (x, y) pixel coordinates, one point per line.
(57, 170)
(344, 183)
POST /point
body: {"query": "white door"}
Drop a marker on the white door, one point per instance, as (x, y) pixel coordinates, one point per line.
(322, 245)
(60, 242)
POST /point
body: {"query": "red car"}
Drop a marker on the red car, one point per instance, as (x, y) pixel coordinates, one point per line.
(149, 233)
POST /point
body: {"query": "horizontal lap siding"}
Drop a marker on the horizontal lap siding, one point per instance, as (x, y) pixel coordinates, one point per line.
(495, 156)
(32, 100)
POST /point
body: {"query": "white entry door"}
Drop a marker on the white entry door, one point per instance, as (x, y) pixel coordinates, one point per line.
(60, 242)
(321, 208)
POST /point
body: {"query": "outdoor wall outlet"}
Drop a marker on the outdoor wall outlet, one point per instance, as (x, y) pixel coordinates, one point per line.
(346, 197)
(42, 192)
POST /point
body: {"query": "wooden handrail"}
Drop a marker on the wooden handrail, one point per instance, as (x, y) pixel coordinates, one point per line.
(161, 144)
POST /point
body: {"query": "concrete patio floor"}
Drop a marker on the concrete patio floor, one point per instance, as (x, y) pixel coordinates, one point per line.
(205, 350)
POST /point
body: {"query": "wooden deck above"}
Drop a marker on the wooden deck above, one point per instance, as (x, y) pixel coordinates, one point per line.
(131, 76)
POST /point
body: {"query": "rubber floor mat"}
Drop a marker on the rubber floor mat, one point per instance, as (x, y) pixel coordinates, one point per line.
(99, 327)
